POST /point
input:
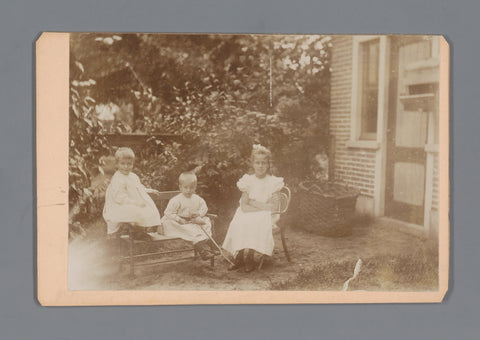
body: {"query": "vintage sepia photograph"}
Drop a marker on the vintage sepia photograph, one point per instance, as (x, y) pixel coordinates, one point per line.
(245, 162)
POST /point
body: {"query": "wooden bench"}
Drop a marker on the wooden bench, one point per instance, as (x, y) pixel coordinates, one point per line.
(135, 258)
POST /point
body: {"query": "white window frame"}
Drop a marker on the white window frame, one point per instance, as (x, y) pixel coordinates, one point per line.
(356, 124)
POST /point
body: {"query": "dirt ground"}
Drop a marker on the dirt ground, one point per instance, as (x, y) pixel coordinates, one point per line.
(392, 260)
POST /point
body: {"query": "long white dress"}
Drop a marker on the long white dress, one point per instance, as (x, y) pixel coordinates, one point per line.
(123, 199)
(253, 230)
(186, 207)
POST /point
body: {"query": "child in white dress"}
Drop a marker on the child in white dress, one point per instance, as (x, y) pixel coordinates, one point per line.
(251, 227)
(185, 216)
(127, 200)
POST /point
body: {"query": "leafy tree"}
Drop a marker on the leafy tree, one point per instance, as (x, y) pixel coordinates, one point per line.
(220, 93)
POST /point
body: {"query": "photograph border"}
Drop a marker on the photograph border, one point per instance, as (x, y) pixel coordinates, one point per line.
(52, 102)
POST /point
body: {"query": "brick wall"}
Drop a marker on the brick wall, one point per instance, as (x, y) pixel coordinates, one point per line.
(355, 167)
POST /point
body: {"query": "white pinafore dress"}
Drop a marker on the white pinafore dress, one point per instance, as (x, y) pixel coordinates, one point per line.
(253, 230)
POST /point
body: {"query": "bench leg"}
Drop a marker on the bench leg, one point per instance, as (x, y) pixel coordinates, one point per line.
(130, 254)
(212, 261)
(120, 266)
(115, 247)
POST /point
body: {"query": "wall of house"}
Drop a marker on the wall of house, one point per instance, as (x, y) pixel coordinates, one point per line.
(354, 167)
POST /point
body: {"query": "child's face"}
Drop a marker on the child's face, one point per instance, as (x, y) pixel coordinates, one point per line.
(260, 165)
(125, 165)
(187, 188)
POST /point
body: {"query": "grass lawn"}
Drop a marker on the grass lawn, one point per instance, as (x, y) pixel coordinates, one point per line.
(392, 260)
(414, 272)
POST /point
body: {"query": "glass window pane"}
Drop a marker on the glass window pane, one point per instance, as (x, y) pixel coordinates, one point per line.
(369, 66)
(409, 183)
(411, 129)
(418, 78)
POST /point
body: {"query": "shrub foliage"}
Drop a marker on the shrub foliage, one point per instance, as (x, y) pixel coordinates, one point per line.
(218, 93)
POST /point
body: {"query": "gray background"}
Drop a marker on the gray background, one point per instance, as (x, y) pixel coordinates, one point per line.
(21, 317)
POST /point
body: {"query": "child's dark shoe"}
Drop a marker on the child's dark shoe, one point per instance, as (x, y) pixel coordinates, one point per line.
(235, 266)
(202, 249)
(205, 254)
(237, 262)
(141, 236)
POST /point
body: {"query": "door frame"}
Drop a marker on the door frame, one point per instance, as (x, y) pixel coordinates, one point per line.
(380, 144)
(428, 163)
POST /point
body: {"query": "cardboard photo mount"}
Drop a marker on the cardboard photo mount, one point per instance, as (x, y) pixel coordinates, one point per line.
(52, 141)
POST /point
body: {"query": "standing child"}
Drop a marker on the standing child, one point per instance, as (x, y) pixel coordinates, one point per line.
(251, 227)
(185, 216)
(127, 200)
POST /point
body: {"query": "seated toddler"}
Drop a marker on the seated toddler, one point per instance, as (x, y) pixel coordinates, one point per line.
(185, 216)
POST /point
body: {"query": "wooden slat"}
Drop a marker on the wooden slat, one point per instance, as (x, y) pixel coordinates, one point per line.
(164, 261)
(160, 253)
(164, 195)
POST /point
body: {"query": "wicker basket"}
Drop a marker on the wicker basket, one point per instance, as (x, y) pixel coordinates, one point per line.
(325, 208)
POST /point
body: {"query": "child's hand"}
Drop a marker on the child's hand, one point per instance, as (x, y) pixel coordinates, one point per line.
(274, 202)
(198, 220)
(275, 198)
(181, 220)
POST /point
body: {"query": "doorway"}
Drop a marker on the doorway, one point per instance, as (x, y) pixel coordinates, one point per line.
(412, 94)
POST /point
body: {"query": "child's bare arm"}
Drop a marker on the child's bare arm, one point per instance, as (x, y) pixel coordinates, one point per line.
(246, 206)
(274, 201)
(260, 205)
(272, 204)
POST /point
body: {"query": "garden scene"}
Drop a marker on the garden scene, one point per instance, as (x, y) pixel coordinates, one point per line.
(199, 103)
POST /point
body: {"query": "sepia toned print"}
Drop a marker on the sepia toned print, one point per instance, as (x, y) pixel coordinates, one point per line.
(307, 168)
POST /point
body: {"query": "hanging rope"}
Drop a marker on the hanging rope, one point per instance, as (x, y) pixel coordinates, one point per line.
(271, 89)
